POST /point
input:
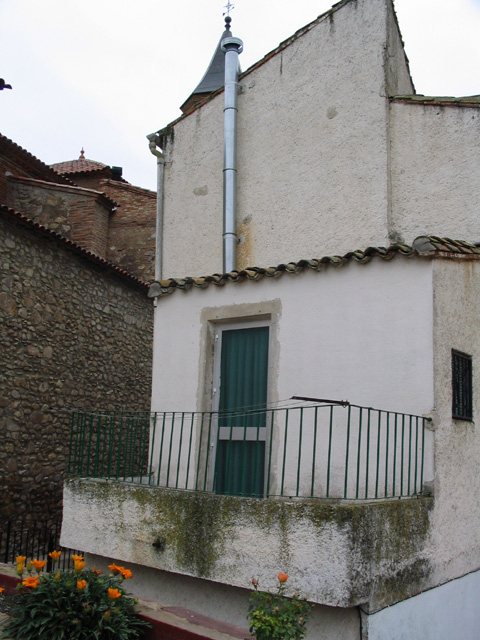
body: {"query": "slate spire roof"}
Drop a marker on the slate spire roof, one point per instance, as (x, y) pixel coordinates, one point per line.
(214, 76)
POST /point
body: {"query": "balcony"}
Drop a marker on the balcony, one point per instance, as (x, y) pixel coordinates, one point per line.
(332, 493)
(332, 451)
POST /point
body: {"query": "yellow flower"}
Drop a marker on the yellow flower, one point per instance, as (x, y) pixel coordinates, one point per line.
(54, 555)
(21, 560)
(39, 564)
(79, 565)
(57, 576)
(81, 584)
(31, 582)
(29, 567)
(113, 594)
(20, 568)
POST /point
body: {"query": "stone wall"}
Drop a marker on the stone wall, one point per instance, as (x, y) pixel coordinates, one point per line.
(82, 215)
(75, 333)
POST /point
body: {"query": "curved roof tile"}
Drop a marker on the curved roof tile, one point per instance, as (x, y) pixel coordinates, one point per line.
(81, 165)
(423, 245)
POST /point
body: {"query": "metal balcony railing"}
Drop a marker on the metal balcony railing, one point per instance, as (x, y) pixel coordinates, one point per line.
(315, 451)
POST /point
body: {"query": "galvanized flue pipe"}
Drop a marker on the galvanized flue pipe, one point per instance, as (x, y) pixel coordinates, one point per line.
(232, 47)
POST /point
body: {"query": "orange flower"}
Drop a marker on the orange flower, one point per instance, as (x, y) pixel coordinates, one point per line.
(54, 555)
(95, 571)
(39, 564)
(115, 568)
(75, 558)
(113, 594)
(126, 573)
(81, 584)
(20, 568)
(282, 577)
(79, 565)
(21, 560)
(31, 582)
(2, 589)
(106, 615)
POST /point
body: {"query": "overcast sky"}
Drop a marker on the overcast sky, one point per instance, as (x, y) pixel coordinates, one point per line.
(103, 73)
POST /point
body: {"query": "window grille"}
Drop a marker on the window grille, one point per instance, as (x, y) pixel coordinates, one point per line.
(462, 405)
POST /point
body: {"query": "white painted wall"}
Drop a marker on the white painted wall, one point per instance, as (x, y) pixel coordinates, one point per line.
(456, 534)
(312, 150)
(435, 168)
(363, 333)
(448, 612)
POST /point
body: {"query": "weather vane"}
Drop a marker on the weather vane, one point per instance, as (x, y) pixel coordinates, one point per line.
(229, 6)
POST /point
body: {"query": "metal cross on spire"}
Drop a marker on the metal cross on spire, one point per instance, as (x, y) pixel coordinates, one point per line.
(229, 6)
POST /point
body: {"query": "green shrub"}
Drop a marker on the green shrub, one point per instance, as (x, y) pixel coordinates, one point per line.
(273, 616)
(74, 604)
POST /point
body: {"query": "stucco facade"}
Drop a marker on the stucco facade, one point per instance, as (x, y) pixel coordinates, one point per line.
(297, 125)
(335, 153)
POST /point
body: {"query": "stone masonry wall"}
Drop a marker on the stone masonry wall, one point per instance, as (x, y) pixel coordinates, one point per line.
(73, 334)
(77, 214)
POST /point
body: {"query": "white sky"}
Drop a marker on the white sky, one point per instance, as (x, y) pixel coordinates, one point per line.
(103, 73)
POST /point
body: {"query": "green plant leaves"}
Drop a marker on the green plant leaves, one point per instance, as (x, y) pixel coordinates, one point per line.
(58, 610)
(273, 616)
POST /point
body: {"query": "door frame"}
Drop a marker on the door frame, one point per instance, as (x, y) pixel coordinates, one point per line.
(219, 328)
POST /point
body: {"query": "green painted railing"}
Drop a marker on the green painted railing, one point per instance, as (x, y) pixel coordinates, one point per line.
(316, 451)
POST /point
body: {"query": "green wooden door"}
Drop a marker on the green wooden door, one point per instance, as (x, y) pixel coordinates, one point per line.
(240, 457)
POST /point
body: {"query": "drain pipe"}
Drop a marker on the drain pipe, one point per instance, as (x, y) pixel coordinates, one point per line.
(232, 47)
(154, 146)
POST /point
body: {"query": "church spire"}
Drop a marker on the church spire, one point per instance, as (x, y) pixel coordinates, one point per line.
(214, 76)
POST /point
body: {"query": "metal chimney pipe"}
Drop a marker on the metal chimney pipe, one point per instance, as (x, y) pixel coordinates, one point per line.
(232, 47)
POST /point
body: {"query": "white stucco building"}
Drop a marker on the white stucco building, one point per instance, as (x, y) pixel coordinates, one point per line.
(315, 408)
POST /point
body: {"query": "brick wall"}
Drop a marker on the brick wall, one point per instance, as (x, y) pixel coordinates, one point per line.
(78, 214)
(91, 179)
(73, 334)
(131, 231)
(131, 234)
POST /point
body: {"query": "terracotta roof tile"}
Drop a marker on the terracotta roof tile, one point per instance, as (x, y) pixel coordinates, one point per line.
(44, 170)
(81, 165)
(422, 246)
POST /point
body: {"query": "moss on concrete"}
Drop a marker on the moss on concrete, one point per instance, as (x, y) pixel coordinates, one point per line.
(387, 541)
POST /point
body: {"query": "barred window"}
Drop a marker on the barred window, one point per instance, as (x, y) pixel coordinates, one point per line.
(462, 405)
